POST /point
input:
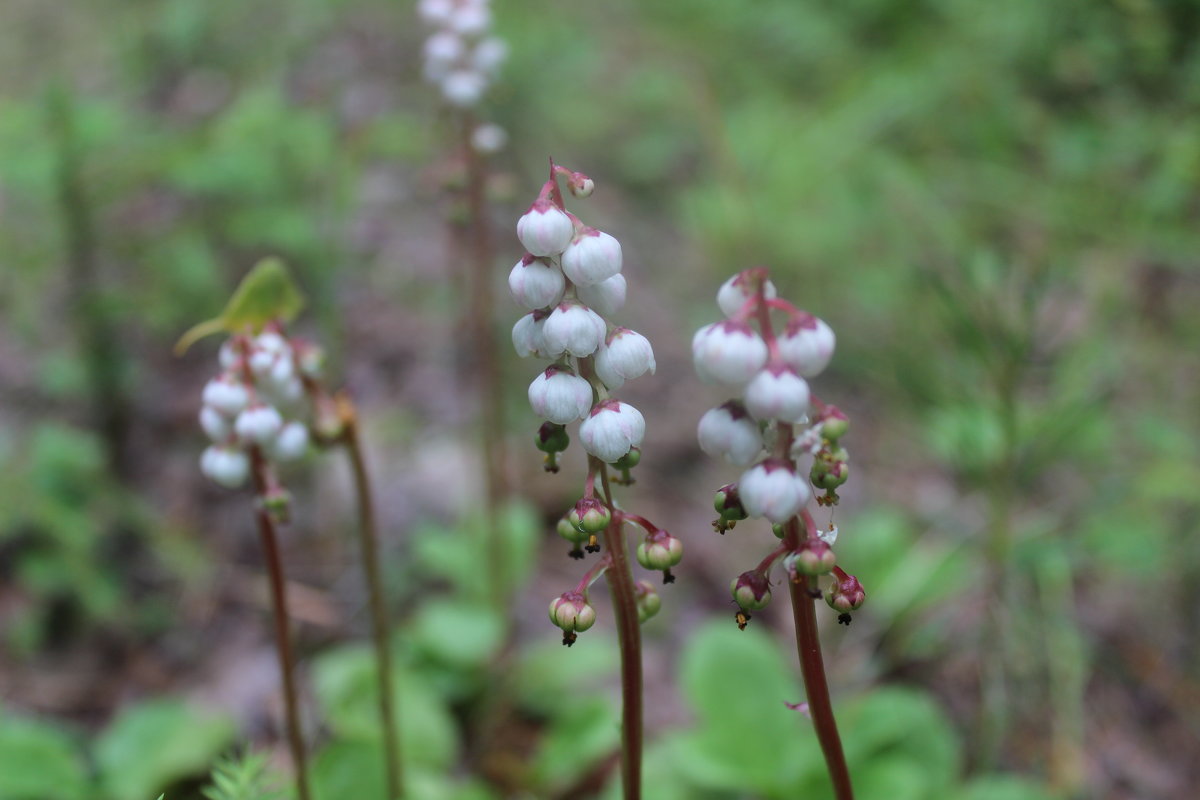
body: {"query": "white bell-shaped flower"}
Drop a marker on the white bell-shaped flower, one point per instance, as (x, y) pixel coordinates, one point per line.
(527, 337)
(226, 394)
(226, 465)
(777, 392)
(624, 356)
(734, 293)
(729, 352)
(807, 344)
(545, 229)
(218, 426)
(489, 54)
(463, 87)
(591, 257)
(728, 432)
(575, 329)
(536, 283)
(605, 297)
(258, 424)
(560, 396)
(773, 490)
(611, 429)
(291, 444)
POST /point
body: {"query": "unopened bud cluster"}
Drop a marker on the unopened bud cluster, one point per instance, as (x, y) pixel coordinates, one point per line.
(462, 58)
(570, 281)
(767, 350)
(258, 403)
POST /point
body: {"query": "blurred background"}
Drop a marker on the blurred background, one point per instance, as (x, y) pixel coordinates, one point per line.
(993, 204)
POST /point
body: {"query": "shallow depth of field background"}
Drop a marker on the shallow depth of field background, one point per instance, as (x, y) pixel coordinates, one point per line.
(993, 204)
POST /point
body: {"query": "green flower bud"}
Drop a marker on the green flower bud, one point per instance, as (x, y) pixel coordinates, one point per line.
(571, 612)
(750, 590)
(660, 550)
(834, 424)
(552, 438)
(589, 515)
(846, 594)
(814, 558)
(629, 460)
(568, 531)
(648, 601)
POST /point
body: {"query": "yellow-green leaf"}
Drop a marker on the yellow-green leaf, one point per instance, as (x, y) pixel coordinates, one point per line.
(267, 293)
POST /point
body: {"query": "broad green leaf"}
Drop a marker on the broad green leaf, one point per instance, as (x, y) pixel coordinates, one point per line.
(267, 293)
(1003, 787)
(587, 731)
(39, 761)
(153, 744)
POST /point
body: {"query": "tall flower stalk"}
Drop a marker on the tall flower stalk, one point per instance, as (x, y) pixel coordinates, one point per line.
(570, 279)
(773, 429)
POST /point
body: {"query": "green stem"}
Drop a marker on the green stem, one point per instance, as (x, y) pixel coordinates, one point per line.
(283, 642)
(368, 538)
(624, 599)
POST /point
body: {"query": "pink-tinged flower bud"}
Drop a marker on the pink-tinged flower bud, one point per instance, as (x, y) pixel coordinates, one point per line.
(734, 293)
(218, 426)
(545, 229)
(258, 424)
(272, 342)
(571, 612)
(560, 395)
(552, 438)
(728, 503)
(536, 283)
(611, 429)
(442, 50)
(660, 550)
(470, 19)
(591, 257)
(846, 595)
(751, 590)
(648, 601)
(528, 338)
(581, 185)
(773, 490)
(605, 297)
(226, 465)
(779, 393)
(625, 355)
(310, 358)
(807, 344)
(728, 432)
(813, 558)
(589, 515)
(291, 444)
(575, 329)
(226, 394)
(488, 55)
(230, 354)
(463, 87)
(567, 530)
(834, 423)
(435, 12)
(730, 352)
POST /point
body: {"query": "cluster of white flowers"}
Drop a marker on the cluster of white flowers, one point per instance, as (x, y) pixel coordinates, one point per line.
(770, 428)
(258, 400)
(462, 58)
(570, 279)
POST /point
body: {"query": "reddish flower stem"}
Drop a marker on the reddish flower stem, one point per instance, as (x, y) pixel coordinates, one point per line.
(283, 642)
(629, 636)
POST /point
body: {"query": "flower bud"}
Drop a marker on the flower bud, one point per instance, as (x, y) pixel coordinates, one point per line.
(487, 57)
(258, 424)
(806, 344)
(226, 394)
(528, 339)
(813, 558)
(630, 459)
(605, 297)
(659, 551)
(218, 426)
(470, 19)
(589, 515)
(611, 429)
(580, 185)
(729, 352)
(291, 444)
(571, 612)
(734, 293)
(559, 395)
(230, 354)
(574, 328)
(552, 438)
(277, 502)
(728, 432)
(489, 138)
(226, 465)
(648, 601)
(845, 595)
(591, 257)
(729, 505)
(545, 229)
(829, 475)
(777, 393)
(773, 490)
(569, 531)
(751, 590)
(536, 283)
(310, 358)
(834, 423)
(463, 87)
(625, 355)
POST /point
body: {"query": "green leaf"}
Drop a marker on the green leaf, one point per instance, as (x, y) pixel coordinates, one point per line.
(266, 294)
(579, 738)
(153, 744)
(1003, 787)
(457, 635)
(39, 761)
